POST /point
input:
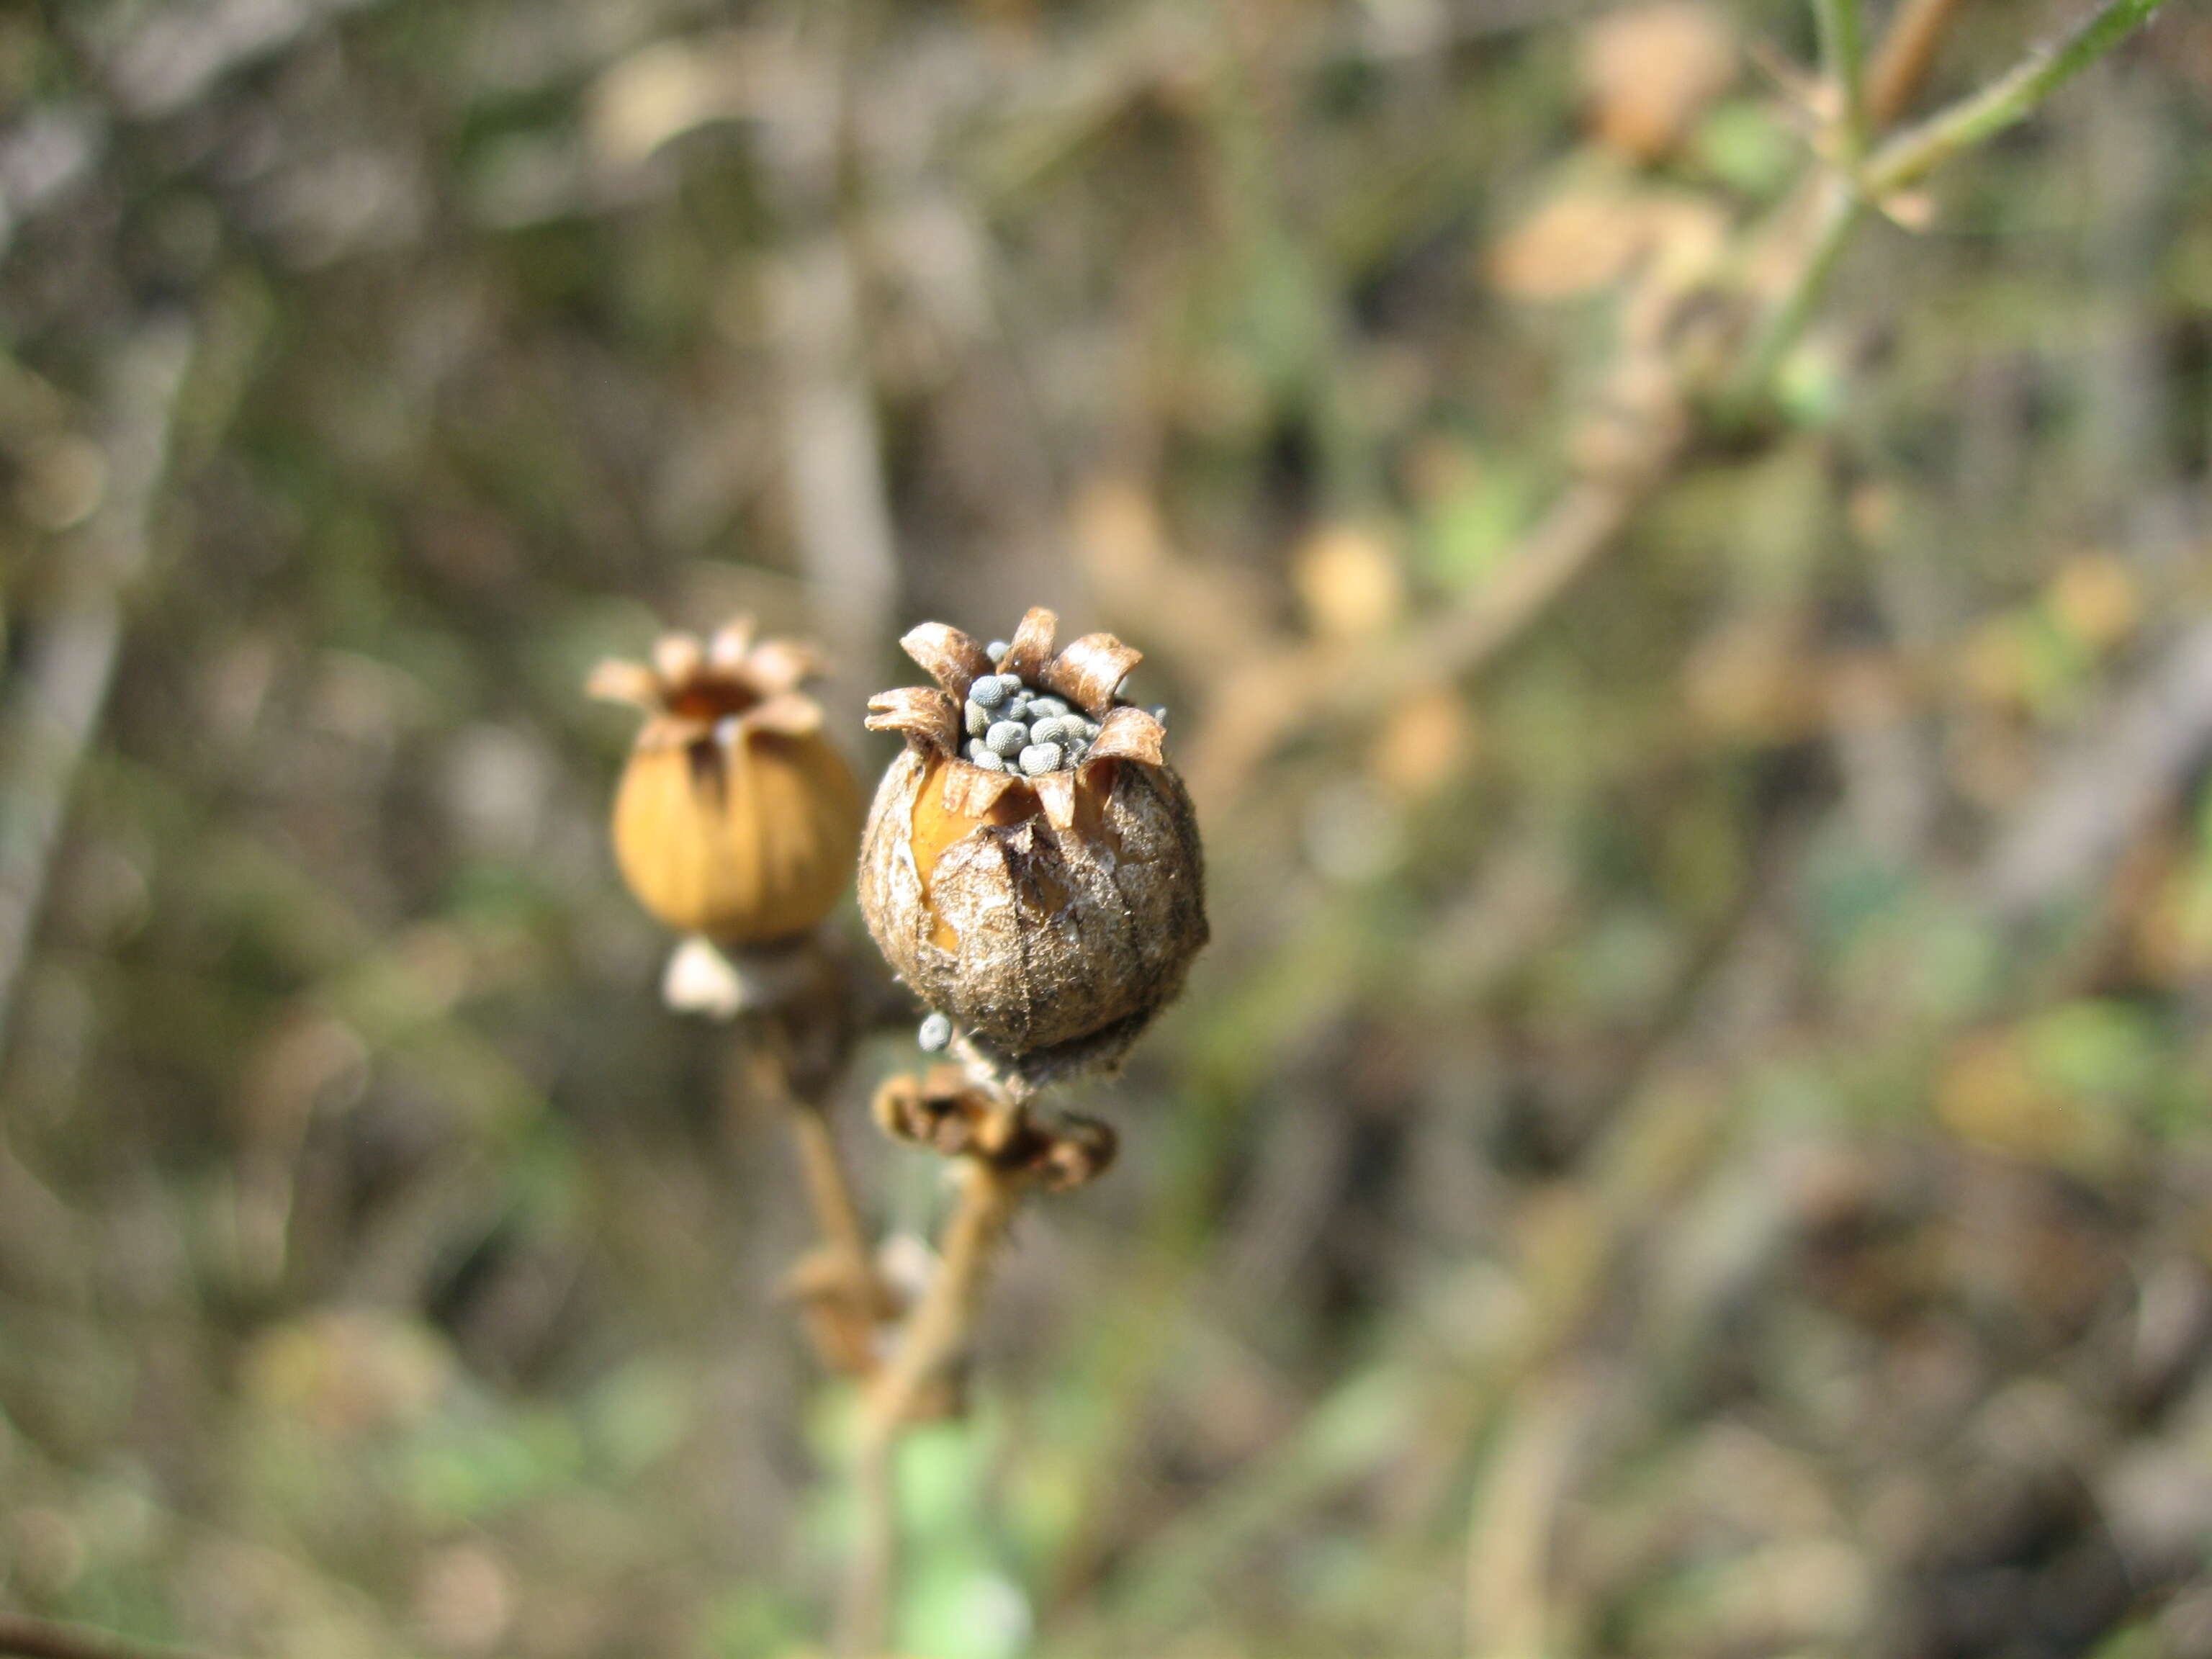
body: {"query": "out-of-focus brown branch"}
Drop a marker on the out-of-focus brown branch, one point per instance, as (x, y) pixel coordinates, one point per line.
(22, 1637)
(50, 720)
(806, 1014)
(1906, 54)
(1516, 1512)
(844, 1298)
(833, 441)
(2129, 764)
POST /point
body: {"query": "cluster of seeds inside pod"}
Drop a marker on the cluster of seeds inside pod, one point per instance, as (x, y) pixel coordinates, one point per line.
(1014, 727)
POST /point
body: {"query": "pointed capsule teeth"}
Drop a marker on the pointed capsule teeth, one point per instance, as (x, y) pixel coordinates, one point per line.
(1088, 673)
(922, 713)
(781, 664)
(972, 792)
(787, 713)
(678, 657)
(1055, 793)
(1130, 734)
(730, 643)
(1031, 647)
(615, 681)
(947, 655)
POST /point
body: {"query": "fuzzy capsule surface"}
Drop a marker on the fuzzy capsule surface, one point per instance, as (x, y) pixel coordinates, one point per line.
(747, 839)
(1048, 915)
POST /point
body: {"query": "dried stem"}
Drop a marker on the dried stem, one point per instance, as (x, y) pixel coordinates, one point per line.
(937, 1334)
(843, 1298)
(829, 1190)
(1908, 51)
(22, 1637)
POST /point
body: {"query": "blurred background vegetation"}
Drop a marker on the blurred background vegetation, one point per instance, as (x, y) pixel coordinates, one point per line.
(1692, 1136)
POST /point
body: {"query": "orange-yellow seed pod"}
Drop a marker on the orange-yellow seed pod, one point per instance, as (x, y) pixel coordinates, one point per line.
(736, 818)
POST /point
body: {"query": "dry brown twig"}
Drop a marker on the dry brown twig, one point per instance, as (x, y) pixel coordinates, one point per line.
(1907, 52)
(1000, 1153)
(796, 1042)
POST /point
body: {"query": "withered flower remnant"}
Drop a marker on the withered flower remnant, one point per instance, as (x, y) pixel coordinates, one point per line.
(1032, 865)
(736, 818)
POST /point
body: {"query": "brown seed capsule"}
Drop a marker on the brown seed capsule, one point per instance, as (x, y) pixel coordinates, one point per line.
(735, 817)
(1049, 895)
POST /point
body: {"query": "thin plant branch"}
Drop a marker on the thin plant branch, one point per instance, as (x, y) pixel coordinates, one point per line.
(1910, 157)
(795, 1052)
(1843, 59)
(1919, 150)
(1835, 215)
(936, 1335)
(829, 1189)
(843, 1298)
(1907, 54)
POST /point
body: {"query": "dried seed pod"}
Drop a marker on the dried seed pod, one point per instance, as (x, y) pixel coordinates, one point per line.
(1052, 912)
(736, 817)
